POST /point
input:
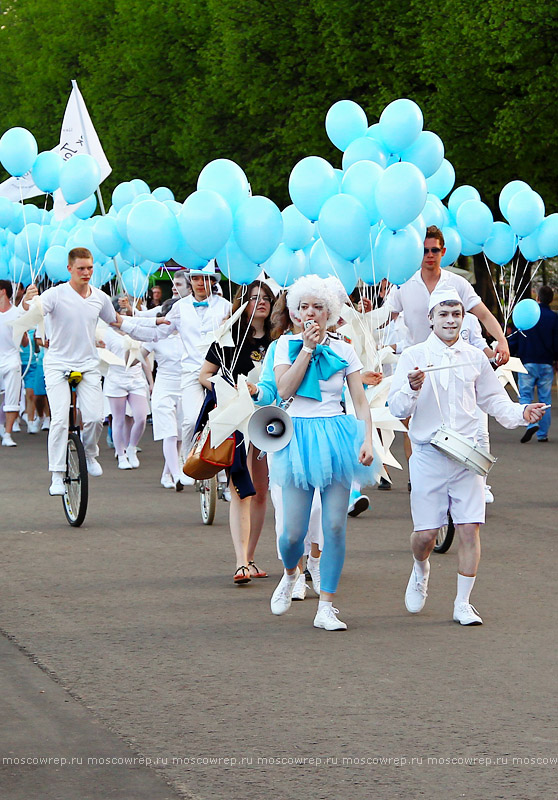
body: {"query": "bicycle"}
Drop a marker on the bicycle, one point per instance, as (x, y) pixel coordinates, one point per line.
(210, 491)
(76, 481)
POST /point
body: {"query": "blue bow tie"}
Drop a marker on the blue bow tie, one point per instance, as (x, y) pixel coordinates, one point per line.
(323, 364)
(201, 304)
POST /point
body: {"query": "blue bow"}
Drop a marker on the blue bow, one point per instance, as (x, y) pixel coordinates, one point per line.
(323, 364)
(201, 304)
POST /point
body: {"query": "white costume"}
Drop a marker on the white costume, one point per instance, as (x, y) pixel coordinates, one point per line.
(166, 405)
(122, 381)
(10, 361)
(447, 396)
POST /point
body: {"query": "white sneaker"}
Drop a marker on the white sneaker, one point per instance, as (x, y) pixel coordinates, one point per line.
(466, 614)
(57, 488)
(186, 480)
(299, 591)
(416, 594)
(123, 462)
(131, 454)
(46, 424)
(226, 494)
(327, 619)
(488, 496)
(283, 594)
(16, 427)
(33, 426)
(93, 467)
(313, 568)
(167, 481)
(7, 440)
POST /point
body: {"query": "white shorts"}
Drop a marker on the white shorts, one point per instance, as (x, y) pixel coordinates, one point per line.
(123, 384)
(166, 410)
(10, 384)
(440, 485)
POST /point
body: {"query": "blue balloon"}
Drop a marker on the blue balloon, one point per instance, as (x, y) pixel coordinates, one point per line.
(529, 246)
(46, 171)
(398, 253)
(205, 222)
(56, 263)
(135, 282)
(4, 270)
(369, 272)
(285, 266)
(18, 220)
(19, 271)
(87, 208)
(31, 244)
(131, 256)
(79, 177)
(548, 236)
(311, 183)
(139, 198)
(185, 256)
(419, 224)
(400, 195)
(365, 149)
(149, 267)
(106, 236)
(345, 122)
(453, 246)
(325, 262)
(526, 314)
(153, 230)
(162, 193)
(235, 264)
(511, 188)
(258, 228)
(102, 274)
(297, 229)
(460, 196)
(474, 221)
(122, 221)
(123, 194)
(432, 214)
(469, 248)
(18, 151)
(400, 124)
(426, 153)
(360, 181)
(140, 186)
(344, 225)
(226, 178)
(443, 180)
(7, 212)
(501, 245)
(525, 212)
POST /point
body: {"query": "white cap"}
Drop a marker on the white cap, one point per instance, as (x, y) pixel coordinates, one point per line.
(442, 294)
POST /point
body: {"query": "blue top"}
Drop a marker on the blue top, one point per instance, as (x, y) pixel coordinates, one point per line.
(266, 382)
(539, 344)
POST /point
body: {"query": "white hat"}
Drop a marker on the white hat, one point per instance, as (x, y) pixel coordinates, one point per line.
(211, 270)
(442, 294)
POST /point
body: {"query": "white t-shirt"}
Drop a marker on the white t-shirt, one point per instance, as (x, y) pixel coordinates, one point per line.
(9, 353)
(330, 404)
(413, 297)
(168, 354)
(72, 320)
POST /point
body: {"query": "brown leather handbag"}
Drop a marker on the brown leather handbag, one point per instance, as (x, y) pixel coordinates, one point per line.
(204, 461)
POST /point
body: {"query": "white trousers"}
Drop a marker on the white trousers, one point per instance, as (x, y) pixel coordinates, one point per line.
(90, 400)
(10, 384)
(193, 395)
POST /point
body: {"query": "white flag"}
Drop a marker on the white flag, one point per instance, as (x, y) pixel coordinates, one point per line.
(16, 189)
(78, 136)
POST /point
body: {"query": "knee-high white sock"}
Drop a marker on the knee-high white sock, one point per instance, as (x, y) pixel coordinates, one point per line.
(422, 568)
(465, 585)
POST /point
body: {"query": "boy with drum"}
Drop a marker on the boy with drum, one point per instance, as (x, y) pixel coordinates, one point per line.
(459, 377)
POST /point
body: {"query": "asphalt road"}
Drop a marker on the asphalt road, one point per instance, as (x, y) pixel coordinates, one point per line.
(127, 646)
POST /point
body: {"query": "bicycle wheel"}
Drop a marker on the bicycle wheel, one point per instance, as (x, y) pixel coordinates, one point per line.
(76, 482)
(445, 537)
(208, 500)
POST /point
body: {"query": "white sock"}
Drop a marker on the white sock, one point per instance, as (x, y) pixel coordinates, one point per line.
(312, 559)
(324, 604)
(59, 475)
(291, 578)
(422, 568)
(464, 587)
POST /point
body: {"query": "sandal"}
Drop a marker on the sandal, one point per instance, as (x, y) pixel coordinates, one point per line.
(242, 575)
(259, 573)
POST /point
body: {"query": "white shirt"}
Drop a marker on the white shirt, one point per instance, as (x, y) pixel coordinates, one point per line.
(192, 324)
(471, 331)
(72, 320)
(168, 355)
(413, 298)
(467, 386)
(9, 352)
(330, 404)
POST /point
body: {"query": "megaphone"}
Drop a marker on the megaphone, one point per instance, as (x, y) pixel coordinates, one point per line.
(270, 429)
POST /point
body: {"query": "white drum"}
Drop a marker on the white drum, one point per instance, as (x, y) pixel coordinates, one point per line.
(460, 449)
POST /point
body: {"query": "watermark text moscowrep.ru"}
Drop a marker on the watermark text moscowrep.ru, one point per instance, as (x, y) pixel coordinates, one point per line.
(358, 761)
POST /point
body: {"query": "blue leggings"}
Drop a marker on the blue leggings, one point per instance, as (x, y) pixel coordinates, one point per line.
(297, 504)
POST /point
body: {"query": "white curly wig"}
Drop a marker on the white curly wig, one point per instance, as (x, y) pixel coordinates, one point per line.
(329, 290)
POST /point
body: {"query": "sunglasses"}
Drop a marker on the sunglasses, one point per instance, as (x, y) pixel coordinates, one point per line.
(434, 250)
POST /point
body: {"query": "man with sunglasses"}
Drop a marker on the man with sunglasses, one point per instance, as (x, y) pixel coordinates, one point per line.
(412, 298)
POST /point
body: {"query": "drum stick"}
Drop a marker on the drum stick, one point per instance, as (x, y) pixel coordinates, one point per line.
(430, 368)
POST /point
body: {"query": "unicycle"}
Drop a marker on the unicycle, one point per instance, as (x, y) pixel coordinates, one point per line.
(208, 499)
(76, 481)
(445, 536)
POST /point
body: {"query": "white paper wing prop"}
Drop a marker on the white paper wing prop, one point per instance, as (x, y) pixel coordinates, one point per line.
(32, 318)
(505, 372)
(223, 334)
(233, 412)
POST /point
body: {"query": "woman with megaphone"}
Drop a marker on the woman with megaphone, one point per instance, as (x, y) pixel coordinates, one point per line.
(329, 449)
(248, 476)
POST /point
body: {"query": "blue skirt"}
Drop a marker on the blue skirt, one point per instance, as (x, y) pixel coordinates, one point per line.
(322, 450)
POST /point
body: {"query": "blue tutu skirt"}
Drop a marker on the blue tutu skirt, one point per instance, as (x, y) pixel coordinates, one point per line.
(322, 450)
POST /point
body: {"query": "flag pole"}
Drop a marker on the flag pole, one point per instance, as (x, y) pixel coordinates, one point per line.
(99, 195)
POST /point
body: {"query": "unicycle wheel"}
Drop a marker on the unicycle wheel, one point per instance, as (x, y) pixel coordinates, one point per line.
(75, 481)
